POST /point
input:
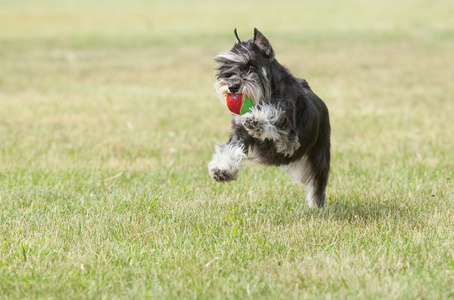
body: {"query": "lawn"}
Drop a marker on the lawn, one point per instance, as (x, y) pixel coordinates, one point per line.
(108, 120)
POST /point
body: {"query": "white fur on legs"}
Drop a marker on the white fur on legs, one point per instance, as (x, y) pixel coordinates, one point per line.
(262, 122)
(298, 170)
(310, 196)
(226, 162)
(300, 173)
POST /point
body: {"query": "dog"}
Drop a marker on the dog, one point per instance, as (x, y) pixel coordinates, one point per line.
(288, 126)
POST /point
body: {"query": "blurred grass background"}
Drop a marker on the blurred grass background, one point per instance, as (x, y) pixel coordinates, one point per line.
(90, 90)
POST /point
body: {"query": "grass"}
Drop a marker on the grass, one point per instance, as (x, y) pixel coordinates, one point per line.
(108, 120)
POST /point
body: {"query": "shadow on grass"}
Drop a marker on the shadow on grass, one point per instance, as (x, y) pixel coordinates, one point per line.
(374, 210)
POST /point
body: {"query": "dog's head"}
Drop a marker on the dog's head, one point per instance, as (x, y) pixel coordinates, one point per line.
(245, 69)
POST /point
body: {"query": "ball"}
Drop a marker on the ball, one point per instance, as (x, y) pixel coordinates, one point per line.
(238, 103)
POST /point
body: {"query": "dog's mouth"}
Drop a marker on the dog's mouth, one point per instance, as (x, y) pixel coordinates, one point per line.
(223, 92)
(238, 103)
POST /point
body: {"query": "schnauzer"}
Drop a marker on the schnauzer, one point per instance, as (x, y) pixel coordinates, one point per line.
(287, 127)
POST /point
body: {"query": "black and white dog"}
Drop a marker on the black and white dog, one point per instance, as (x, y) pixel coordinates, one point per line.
(288, 126)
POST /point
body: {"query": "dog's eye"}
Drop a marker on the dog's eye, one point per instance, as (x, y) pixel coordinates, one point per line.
(251, 68)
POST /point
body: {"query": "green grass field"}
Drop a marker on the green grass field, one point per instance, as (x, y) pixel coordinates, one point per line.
(108, 119)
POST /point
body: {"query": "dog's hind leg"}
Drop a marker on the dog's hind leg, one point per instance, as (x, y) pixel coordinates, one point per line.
(317, 176)
(312, 170)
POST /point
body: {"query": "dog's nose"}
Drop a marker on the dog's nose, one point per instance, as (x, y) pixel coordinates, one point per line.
(233, 88)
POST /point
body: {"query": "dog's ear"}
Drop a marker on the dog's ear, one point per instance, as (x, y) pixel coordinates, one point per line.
(262, 42)
(237, 39)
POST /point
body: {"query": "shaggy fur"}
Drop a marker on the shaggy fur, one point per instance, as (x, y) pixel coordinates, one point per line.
(287, 127)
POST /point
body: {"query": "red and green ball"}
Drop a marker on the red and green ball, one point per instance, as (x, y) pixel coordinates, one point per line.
(238, 103)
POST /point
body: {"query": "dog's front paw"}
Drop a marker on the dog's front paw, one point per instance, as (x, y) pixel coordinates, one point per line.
(292, 147)
(288, 147)
(252, 125)
(222, 175)
(226, 162)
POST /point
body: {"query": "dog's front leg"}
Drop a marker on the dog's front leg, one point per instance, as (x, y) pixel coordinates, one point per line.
(268, 122)
(226, 161)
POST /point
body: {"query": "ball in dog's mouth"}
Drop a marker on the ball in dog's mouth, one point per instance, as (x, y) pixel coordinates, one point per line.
(238, 103)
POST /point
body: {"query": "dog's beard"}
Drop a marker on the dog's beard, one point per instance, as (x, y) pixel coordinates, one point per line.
(221, 89)
(249, 87)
